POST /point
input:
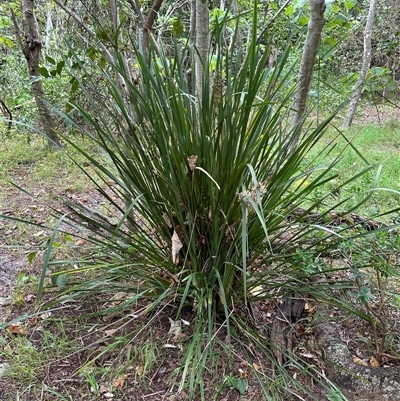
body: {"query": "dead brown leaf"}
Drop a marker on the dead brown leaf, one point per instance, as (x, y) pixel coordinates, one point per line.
(176, 247)
(359, 361)
(192, 160)
(180, 337)
(29, 298)
(119, 382)
(139, 370)
(180, 232)
(300, 329)
(175, 328)
(257, 291)
(309, 355)
(18, 328)
(373, 362)
(167, 220)
(269, 305)
(118, 298)
(309, 308)
(110, 333)
(103, 389)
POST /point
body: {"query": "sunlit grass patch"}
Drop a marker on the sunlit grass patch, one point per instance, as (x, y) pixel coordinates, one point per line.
(26, 160)
(365, 146)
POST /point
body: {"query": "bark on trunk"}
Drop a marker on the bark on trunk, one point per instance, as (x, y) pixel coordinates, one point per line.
(202, 43)
(364, 67)
(148, 25)
(192, 36)
(310, 50)
(32, 49)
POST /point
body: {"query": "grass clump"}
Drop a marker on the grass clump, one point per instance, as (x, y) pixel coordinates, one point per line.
(28, 359)
(211, 211)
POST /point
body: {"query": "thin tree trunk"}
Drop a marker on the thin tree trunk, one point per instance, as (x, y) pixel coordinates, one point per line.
(192, 34)
(49, 28)
(32, 48)
(202, 43)
(148, 25)
(236, 38)
(364, 67)
(310, 50)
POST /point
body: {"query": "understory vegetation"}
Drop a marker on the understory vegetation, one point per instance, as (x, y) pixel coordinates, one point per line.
(182, 247)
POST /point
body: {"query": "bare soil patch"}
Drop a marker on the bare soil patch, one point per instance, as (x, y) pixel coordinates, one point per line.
(379, 114)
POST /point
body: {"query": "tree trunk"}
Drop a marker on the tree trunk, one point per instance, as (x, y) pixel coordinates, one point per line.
(202, 43)
(148, 25)
(310, 50)
(49, 28)
(364, 67)
(192, 35)
(32, 48)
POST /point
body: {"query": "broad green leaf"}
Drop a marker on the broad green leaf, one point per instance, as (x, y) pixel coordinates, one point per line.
(364, 295)
(349, 4)
(51, 60)
(289, 10)
(74, 85)
(379, 71)
(32, 256)
(5, 21)
(303, 20)
(44, 72)
(330, 40)
(6, 40)
(216, 13)
(68, 238)
(241, 385)
(60, 66)
(61, 280)
(300, 3)
(238, 383)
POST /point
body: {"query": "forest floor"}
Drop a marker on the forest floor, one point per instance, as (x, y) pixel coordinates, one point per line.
(65, 354)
